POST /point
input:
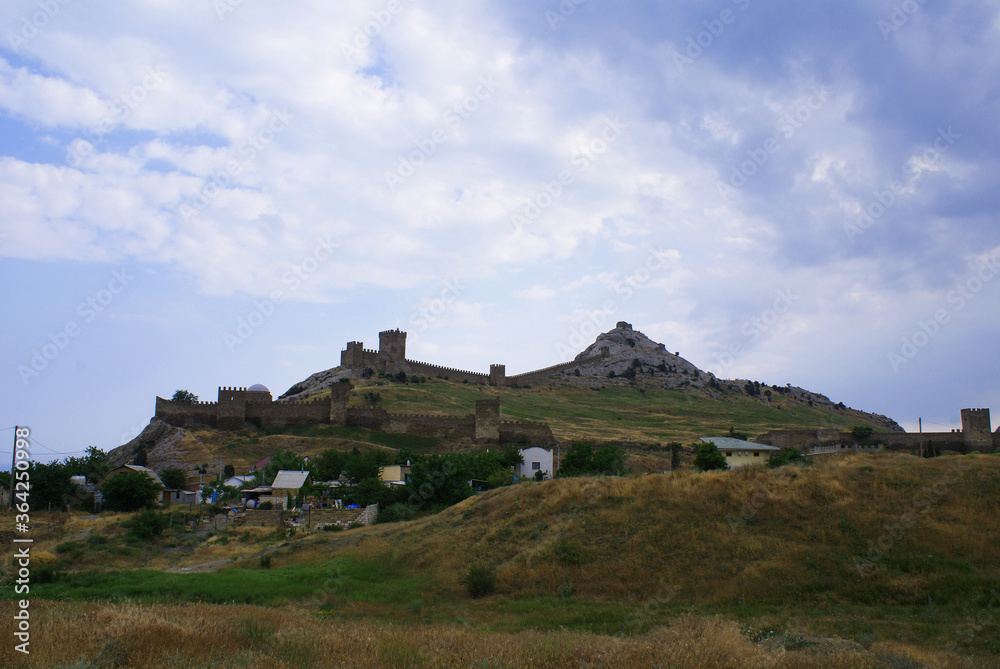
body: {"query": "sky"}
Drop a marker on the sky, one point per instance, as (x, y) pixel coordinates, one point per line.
(209, 193)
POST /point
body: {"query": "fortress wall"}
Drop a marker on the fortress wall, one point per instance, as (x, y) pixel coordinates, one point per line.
(283, 414)
(427, 369)
(925, 442)
(370, 419)
(531, 434)
(441, 427)
(546, 372)
(919, 443)
(186, 415)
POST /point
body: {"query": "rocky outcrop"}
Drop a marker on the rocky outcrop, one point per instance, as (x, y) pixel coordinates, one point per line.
(165, 447)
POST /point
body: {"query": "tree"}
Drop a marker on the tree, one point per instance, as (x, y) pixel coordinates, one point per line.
(784, 457)
(707, 457)
(185, 397)
(174, 478)
(94, 465)
(372, 398)
(130, 491)
(49, 485)
(229, 471)
(329, 465)
(582, 459)
(861, 433)
(141, 458)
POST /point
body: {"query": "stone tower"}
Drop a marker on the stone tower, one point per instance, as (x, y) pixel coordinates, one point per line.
(392, 345)
(354, 356)
(488, 421)
(976, 429)
(498, 375)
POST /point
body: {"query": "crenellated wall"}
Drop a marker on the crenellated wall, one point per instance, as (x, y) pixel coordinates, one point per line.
(391, 357)
(926, 444)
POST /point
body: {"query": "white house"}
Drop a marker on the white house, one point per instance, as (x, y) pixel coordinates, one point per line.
(536, 459)
(740, 453)
(239, 481)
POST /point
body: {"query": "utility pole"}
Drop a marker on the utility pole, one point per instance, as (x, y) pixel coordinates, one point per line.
(920, 425)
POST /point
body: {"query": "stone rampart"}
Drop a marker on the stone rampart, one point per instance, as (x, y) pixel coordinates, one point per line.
(427, 369)
(527, 434)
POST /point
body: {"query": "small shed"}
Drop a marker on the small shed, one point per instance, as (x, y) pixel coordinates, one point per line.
(286, 482)
(392, 475)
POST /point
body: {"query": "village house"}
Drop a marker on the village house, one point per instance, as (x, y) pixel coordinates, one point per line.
(740, 453)
(536, 459)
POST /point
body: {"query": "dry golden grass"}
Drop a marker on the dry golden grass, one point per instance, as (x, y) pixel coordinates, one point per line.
(194, 636)
(718, 535)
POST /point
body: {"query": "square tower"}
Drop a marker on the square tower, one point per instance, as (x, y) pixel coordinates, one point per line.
(976, 429)
(488, 421)
(392, 345)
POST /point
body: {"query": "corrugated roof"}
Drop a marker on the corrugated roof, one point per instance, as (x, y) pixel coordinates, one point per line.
(289, 479)
(147, 471)
(731, 444)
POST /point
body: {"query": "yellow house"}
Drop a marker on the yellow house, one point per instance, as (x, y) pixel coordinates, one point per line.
(740, 453)
(394, 474)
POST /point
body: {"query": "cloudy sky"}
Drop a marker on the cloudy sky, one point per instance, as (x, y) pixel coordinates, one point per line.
(198, 193)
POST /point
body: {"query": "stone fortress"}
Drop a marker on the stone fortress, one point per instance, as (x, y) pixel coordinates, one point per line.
(391, 357)
(975, 435)
(238, 407)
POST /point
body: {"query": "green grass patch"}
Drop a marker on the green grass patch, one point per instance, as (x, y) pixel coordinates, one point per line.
(341, 578)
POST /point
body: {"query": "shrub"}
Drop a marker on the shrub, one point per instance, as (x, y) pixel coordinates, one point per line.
(148, 524)
(174, 478)
(265, 561)
(480, 581)
(861, 433)
(785, 457)
(130, 491)
(708, 457)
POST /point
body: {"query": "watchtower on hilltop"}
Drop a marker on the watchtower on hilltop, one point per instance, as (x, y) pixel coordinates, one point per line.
(392, 345)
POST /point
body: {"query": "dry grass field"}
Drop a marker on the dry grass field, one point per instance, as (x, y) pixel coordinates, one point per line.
(79, 636)
(880, 560)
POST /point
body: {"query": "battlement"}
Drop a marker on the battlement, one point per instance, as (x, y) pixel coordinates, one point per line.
(431, 369)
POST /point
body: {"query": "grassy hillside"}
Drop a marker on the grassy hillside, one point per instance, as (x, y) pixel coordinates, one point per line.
(618, 410)
(892, 553)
